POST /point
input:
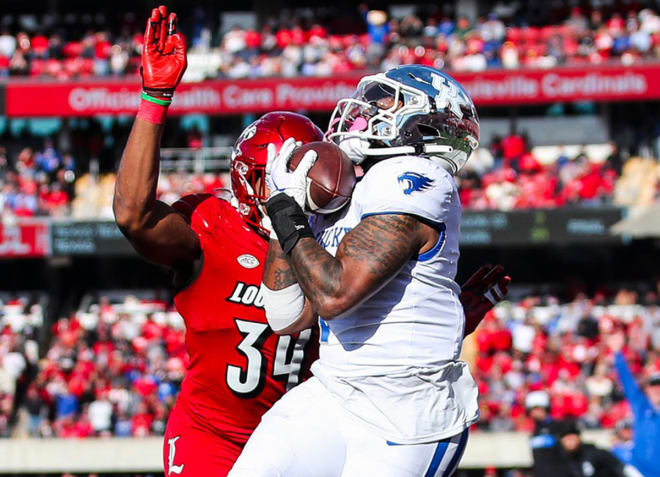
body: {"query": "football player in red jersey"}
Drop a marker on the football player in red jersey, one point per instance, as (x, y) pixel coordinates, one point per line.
(238, 367)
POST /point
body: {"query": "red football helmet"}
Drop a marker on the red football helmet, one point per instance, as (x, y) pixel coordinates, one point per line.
(249, 157)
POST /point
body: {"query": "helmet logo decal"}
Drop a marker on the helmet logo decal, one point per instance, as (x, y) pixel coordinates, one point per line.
(249, 133)
(447, 97)
(247, 261)
(414, 182)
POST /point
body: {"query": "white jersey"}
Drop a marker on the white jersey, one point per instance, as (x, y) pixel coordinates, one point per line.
(393, 360)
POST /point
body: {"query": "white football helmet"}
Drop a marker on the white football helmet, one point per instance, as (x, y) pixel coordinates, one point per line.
(411, 109)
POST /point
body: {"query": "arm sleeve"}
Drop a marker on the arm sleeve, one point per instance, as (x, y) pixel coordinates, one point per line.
(408, 185)
(631, 389)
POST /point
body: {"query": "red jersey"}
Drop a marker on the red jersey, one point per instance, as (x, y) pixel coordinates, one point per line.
(238, 367)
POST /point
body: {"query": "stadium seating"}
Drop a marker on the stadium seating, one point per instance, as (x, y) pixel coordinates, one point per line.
(306, 46)
(508, 175)
(20, 320)
(112, 368)
(542, 344)
(115, 366)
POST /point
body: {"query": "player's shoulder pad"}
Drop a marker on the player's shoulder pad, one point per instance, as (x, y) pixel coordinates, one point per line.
(187, 204)
(201, 210)
(407, 185)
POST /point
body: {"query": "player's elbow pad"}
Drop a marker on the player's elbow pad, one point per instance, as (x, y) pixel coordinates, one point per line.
(283, 307)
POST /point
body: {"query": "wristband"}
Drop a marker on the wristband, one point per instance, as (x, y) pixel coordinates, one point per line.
(166, 92)
(163, 102)
(152, 112)
(288, 220)
(283, 307)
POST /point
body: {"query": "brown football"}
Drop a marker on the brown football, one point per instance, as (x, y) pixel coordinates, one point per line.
(331, 179)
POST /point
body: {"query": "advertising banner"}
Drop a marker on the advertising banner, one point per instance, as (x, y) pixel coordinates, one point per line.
(24, 239)
(478, 228)
(212, 97)
(487, 88)
(89, 238)
(540, 227)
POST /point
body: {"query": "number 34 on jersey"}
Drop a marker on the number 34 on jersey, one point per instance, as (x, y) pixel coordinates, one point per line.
(248, 380)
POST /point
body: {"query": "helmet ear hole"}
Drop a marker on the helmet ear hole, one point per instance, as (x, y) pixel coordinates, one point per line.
(428, 131)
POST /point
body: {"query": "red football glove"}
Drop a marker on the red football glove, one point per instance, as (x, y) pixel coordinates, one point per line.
(481, 293)
(163, 54)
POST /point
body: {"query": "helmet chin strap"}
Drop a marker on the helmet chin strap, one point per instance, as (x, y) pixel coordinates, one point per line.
(390, 151)
(430, 149)
(358, 149)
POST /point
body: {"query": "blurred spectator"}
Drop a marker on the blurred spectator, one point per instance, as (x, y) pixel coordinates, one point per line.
(623, 441)
(100, 414)
(531, 360)
(645, 404)
(543, 441)
(36, 410)
(576, 458)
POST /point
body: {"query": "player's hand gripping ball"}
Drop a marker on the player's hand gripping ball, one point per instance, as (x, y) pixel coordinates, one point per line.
(331, 179)
(318, 175)
(163, 54)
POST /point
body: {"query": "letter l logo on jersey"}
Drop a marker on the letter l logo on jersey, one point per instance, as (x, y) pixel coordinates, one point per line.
(173, 469)
(414, 182)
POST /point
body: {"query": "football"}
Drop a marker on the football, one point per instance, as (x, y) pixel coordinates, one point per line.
(330, 181)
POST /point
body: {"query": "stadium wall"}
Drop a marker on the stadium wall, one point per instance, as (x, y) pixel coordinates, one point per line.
(25, 456)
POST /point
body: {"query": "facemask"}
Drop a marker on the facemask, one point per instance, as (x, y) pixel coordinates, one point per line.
(355, 148)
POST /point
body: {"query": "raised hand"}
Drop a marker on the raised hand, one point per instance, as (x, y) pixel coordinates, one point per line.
(481, 292)
(615, 341)
(163, 55)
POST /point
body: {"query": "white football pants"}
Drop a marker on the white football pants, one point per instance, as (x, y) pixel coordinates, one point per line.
(308, 434)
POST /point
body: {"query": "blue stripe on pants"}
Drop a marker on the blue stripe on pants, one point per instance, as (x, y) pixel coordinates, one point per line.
(458, 453)
(437, 458)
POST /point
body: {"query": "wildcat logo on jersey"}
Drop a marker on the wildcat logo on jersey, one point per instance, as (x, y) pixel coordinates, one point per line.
(248, 295)
(414, 182)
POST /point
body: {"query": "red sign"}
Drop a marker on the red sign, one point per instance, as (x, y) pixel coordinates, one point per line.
(212, 97)
(492, 87)
(24, 239)
(565, 84)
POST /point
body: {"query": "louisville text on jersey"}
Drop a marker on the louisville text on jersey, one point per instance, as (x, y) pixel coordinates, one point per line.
(248, 295)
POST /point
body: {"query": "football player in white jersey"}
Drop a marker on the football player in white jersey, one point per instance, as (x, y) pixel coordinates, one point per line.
(389, 395)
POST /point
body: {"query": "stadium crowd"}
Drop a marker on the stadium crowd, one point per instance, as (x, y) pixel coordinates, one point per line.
(509, 176)
(36, 182)
(540, 343)
(505, 176)
(46, 183)
(20, 320)
(112, 370)
(438, 41)
(294, 45)
(115, 367)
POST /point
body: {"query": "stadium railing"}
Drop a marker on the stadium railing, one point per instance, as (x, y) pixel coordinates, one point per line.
(195, 160)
